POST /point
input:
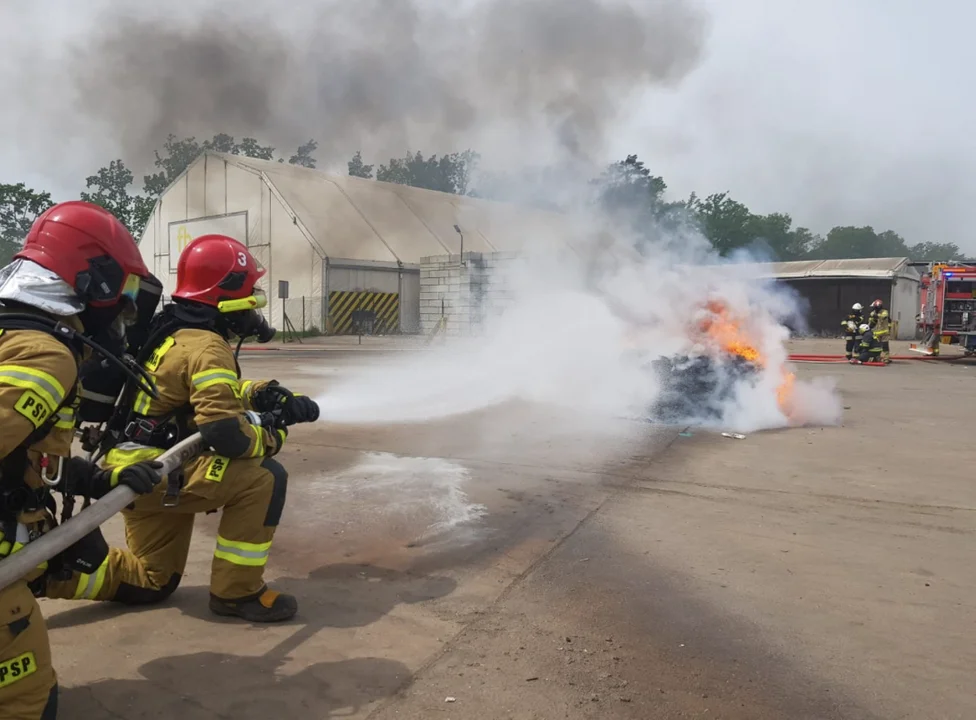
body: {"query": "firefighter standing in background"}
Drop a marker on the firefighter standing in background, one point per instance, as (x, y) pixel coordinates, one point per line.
(243, 423)
(869, 348)
(849, 325)
(880, 323)
(77, 276)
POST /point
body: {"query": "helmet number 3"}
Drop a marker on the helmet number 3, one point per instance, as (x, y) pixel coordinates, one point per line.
(242, 259)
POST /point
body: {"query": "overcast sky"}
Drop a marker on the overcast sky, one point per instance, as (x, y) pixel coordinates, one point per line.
(835, 111)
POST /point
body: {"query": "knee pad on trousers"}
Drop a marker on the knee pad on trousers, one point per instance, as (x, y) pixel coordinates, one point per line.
(134, 595)
(278, 491)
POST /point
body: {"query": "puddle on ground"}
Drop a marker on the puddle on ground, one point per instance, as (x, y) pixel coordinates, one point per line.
(413, 497)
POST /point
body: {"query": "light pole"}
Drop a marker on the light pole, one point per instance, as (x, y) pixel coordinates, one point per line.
(458, 231)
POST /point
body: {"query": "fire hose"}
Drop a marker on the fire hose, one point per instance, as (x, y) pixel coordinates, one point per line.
(20, 563)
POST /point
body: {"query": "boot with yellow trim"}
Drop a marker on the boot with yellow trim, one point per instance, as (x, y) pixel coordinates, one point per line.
(264, 606)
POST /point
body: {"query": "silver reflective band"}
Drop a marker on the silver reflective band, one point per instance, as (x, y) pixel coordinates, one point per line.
(34, 379)
(90, 587)
(247, 554)
(97, 397)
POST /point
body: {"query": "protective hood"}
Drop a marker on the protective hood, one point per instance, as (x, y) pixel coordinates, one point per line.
(27, 282)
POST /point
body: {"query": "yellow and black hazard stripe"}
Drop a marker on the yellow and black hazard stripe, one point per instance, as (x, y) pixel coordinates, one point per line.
(343, 303)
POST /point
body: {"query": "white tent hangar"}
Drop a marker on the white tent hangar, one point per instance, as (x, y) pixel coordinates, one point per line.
(340, 243)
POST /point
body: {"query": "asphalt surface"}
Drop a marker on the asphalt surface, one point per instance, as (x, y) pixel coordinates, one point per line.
(465, 569)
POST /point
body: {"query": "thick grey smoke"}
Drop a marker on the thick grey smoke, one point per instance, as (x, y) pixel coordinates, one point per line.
(384, 76)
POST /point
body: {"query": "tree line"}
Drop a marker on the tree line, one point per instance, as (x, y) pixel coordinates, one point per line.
(626, 189)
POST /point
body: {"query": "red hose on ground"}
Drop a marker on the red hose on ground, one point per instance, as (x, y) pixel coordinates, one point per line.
(804, 357)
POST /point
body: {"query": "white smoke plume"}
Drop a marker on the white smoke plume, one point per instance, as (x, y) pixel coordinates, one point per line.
(582, 327)
(542, 83)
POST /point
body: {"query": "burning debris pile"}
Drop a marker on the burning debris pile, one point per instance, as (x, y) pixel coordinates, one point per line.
(699, 387)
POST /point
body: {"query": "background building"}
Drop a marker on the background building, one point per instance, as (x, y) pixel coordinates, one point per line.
(335, 244)
(830, 287)
(340, 243)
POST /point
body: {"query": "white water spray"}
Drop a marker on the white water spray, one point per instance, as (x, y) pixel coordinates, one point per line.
(577, 335)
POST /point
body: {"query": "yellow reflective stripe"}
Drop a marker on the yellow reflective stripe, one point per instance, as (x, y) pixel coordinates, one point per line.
(281, 437)
(131, 456)
(246, 388)
(206, 378)
(66, 419)
(258, 441)
(242, 553)
(152, 364)
(89, 585)
(141, 404)
(219, 381)
(42, 383)
(113, 479)
(5, 546)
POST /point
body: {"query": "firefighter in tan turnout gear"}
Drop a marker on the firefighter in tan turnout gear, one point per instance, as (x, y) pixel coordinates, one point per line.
(244, 424)
(74, 283)
(880, 323)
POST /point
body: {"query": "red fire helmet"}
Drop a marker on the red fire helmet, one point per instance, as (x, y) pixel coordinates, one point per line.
(219, 271)
(89, 248)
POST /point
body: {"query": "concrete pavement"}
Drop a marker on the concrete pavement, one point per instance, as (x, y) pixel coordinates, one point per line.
(804, 573)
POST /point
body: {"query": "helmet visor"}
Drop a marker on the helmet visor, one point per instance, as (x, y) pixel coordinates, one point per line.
(130, 288)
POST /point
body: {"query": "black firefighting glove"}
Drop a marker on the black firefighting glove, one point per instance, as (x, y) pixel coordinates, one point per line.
(271, 398)
(85, 479)
(281, 401)
(301, 409)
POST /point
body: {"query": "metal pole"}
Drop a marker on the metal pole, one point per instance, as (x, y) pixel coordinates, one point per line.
(16, 566)
(457, 229)
(303, 314)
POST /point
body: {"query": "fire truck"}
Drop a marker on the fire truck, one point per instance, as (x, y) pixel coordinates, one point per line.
(948, 307)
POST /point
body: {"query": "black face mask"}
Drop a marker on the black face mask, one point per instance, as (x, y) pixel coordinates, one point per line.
(249, 323)
(150, 293)
(100, 322)
(100, 380)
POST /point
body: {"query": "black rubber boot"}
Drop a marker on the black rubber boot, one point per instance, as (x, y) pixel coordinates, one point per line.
(265, 606)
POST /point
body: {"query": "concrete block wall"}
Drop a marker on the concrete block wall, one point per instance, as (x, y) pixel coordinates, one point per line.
(462, 290)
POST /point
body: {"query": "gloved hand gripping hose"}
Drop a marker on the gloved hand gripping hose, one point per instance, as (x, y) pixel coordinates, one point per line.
(19, 564)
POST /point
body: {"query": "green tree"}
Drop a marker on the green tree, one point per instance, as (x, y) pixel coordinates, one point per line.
(249, 147)
(357, 168)
(222, 143)
(448, 173)
(303, 155)
(776, 233)
(19, 207)
(937, 252)
(178, 154)
(110, 188)
(859, 242)
(726, 223)
(628, 186)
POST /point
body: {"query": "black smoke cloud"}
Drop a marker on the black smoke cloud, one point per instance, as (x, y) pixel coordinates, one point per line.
(377, 74)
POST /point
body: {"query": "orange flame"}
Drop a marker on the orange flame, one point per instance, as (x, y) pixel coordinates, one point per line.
(784, 393)
(727, 334)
